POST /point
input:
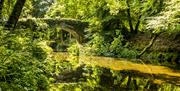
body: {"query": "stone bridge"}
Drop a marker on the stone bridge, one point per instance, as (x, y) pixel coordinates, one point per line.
(75, 27)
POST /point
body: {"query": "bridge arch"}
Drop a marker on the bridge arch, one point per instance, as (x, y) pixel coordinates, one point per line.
(75, 33)
(75, 27)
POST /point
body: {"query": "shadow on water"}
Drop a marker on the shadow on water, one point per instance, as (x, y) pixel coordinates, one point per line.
(90, 73)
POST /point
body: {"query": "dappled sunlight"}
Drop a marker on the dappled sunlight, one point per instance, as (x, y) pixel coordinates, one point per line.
(89, 45)
(122, 64)
(125, 64)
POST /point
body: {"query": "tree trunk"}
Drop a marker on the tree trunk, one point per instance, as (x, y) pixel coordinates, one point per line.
(62, 39)
(129, 17)
(13, 19)
(137, 25)
(1, 7)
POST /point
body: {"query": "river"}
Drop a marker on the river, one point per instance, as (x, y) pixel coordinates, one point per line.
(158, 75)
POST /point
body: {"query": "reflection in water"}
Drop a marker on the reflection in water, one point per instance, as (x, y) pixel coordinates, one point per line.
(89, 73)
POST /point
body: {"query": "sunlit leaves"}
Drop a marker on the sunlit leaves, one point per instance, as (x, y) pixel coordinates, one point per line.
(168, 19)
(20, 67)
(116, 5)
(27, 9)
(7, 8)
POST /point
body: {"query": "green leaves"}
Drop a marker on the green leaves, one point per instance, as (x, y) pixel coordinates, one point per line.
(168, 19)
(116, 5)
(20, 69)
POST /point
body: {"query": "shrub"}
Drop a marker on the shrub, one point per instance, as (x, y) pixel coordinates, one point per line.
(23, 63)
(127, 53)
(99, 46)
(74, 49)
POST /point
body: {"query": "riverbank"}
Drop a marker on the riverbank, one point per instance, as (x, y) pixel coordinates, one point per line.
(164, 51)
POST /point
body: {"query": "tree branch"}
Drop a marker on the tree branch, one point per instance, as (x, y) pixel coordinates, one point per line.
(137, 24)
(149, 45)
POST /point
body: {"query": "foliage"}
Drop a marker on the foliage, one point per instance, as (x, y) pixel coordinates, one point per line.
(40, 7)
(25, 57)
(106, 10)
(7, 9)
(168, 19)
(27, 9)
(108, 16)
(24, 64)
(74, 49)
(99, 46)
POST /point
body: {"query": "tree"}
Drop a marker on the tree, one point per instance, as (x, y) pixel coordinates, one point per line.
(167, 20)
(1, 7)
(13, 18)
(131, 13)
(40, 7)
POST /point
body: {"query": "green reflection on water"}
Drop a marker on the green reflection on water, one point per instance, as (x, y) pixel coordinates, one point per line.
(90, 73)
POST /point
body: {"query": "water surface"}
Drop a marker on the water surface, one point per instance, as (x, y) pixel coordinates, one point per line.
(157, 74)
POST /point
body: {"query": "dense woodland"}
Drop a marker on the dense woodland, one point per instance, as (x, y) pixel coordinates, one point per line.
(42, 43)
